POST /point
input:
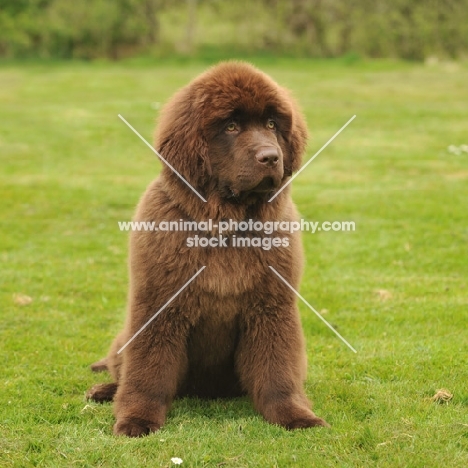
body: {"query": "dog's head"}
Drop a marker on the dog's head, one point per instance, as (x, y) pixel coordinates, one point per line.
(235, 131)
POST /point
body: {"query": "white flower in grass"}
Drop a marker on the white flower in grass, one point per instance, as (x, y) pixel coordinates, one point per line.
(177, 460)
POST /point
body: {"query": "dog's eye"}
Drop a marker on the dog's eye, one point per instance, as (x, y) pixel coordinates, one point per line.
(232, 127)
(271, 124)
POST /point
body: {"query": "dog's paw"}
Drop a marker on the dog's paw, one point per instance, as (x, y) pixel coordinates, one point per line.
(135, 427)
(305, 422)
(101, 393)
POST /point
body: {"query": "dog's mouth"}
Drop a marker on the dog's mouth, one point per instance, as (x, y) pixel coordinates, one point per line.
(265, 186)
(262, 190)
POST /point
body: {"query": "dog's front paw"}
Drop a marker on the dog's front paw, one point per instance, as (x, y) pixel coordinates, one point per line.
(135, 427)
(306, 421)
(292, 414)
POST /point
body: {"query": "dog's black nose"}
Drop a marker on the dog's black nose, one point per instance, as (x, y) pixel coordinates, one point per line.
(268, 156)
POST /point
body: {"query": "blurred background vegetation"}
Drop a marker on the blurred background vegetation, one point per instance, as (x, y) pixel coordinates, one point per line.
(90, 29)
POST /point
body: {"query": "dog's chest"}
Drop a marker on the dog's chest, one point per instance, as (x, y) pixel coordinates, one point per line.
(232, 271)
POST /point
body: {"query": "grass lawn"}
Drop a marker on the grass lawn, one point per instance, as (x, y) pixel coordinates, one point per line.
(396, 288)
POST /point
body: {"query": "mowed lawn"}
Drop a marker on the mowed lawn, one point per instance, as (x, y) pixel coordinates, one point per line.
(396, 288)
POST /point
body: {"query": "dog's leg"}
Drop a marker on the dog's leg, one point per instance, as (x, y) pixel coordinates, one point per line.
(153, 365)
(271, 363)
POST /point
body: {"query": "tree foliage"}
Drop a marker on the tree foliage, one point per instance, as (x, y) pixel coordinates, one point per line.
(411, 29)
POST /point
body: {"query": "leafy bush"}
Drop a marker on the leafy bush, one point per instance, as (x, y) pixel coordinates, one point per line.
(411, 29)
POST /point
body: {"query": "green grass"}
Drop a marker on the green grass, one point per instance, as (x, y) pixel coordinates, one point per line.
(70, 170)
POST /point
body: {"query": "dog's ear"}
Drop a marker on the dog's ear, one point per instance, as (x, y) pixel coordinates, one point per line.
(296, 139)
(180, 139)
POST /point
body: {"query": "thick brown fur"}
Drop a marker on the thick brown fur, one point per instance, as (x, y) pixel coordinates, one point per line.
(237, 137)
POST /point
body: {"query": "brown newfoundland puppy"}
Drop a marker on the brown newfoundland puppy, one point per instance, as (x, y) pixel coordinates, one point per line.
(236, 137)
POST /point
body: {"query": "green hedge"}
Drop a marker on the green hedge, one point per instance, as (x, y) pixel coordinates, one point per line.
(412, 29)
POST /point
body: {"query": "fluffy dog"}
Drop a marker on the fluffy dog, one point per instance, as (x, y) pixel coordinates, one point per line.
(236, 137)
